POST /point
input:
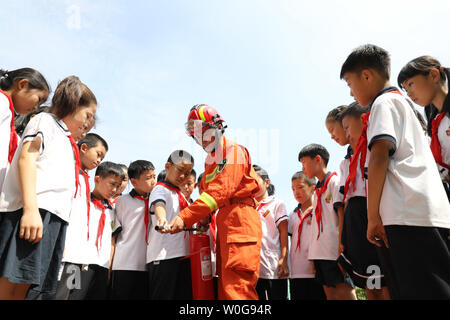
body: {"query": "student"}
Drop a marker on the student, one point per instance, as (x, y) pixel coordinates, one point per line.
(274, 270)
(108, 179)
(324, 247)
(129, 275)
(169, 276)
(229, 183)
(122, 187)
(302, 282)
(334, 126)
(21, 121)
(189, 185)
(426, 82)
(161, 176)
(21, 91)
(408, 210)
(38, 192)
(359, 255)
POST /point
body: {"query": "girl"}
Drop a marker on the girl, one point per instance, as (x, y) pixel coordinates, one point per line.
(38, 190)
(21, 91)
(303, 285)
(272, 282)
(426, 82)
(334, 126)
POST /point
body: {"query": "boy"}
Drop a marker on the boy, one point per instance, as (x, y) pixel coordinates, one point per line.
(93, 149)
(108, 179)
(188, 187)
(229, 183)
(303, 285)
(169, 276)
(122, 187)
(324, 247)
(359, 254)
(408, 210)
(129, 275)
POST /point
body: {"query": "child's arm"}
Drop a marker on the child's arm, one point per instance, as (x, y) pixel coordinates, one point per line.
(160, 214)
(111, 258)
(378, 164)
(31, 222)
(340, 213)
(283, 269)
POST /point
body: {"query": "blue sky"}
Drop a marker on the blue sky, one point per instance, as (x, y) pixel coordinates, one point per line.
(271, 68)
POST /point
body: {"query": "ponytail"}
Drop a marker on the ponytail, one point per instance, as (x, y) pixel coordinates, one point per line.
(271, 190)
(265, 176)
(35, 79)
(71, 94)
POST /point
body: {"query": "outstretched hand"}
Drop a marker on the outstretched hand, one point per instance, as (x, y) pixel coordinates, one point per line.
(176, 225)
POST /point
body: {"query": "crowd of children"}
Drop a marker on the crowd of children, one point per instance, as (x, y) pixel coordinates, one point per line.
(380, 223)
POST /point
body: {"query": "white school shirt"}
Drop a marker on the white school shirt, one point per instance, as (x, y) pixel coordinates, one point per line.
(77, 247)
(326, 246)
(360, 184)
(444, 140)
(55, 168)
(131, 248)
(300, 266)
(165, 246)
(272, 212)
(5, 130)
(102, 255)
(412, 193)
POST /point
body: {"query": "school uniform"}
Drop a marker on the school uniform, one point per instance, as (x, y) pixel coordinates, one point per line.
(169, 276)
(55, 189)
(272, 212)
(129, 271)
(102, 227)
(414, 207)
(303, 285)
(9, 139)
(324, 245)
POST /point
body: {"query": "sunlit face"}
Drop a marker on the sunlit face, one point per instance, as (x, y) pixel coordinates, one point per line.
(359, 87)
(81, 119)
(302, 191)
(420, 89)
(337, 132)
(188, 186)
(146, 181)
(177, 173)
(353, 128)
(308, 166)
(91, 157)
(262, 187)
(108, 186)
(124, 183)
(26, 100)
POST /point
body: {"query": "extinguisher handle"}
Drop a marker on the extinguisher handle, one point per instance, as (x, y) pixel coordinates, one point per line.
(159, 228)
(185, 229)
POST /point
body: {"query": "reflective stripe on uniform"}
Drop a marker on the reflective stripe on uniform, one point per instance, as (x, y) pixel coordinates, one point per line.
(209, 201)
(200, 113)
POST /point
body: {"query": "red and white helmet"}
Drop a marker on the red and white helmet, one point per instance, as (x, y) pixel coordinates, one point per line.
(202, 117)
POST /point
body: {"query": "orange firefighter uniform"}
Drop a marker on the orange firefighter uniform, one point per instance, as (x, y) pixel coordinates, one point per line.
(229, 184)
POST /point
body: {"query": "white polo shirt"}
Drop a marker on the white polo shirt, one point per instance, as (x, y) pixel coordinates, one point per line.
(326, 246)
(5, 130)
(444, 140)
(412, 193)
(300, 266)
(165, 246)
(272, 212)
(131, 248)
(360, 184)
(102, 255)
(55, 168)
(76, 249)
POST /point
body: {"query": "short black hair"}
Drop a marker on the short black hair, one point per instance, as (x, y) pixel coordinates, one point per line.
(136, 168)
(302, 176)
(420, 66)
(200, 176)
(180, 156)
(92, 140)
(161, 176)
(107, 168)
(354, 110)
(335, 114)
(312, 150)
(368, 56)
(193, 174)
(21, 121)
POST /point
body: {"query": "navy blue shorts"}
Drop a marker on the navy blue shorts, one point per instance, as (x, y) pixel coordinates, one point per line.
(24, 262)
(328, 273)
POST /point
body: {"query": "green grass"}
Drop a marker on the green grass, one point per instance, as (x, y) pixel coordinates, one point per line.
(360, 293)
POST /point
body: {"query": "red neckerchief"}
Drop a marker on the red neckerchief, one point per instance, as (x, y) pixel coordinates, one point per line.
(435, 145)
(361, 149)
(260, 206)
(181, 199)
(76, 155)
(88, 197)
(146, 215)
(101, 223)
(13, 140)
(300, 227)
(318, 211)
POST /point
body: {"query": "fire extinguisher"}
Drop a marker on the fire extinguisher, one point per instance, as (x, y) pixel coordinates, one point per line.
(201, 269)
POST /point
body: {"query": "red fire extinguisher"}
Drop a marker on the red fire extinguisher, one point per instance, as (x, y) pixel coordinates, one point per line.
(201, 269)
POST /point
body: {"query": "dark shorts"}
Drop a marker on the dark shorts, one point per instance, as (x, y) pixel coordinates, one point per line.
(328, 273)
(421, 261)
(272, 289)
(306, 289)
(129, 285)
(359, 259)
(24, 262)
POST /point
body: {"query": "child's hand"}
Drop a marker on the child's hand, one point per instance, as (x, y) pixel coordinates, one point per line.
(376, 233)
(31, 227)
(341, 248)
(176, 225)
(283, 269)
(164, 226)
